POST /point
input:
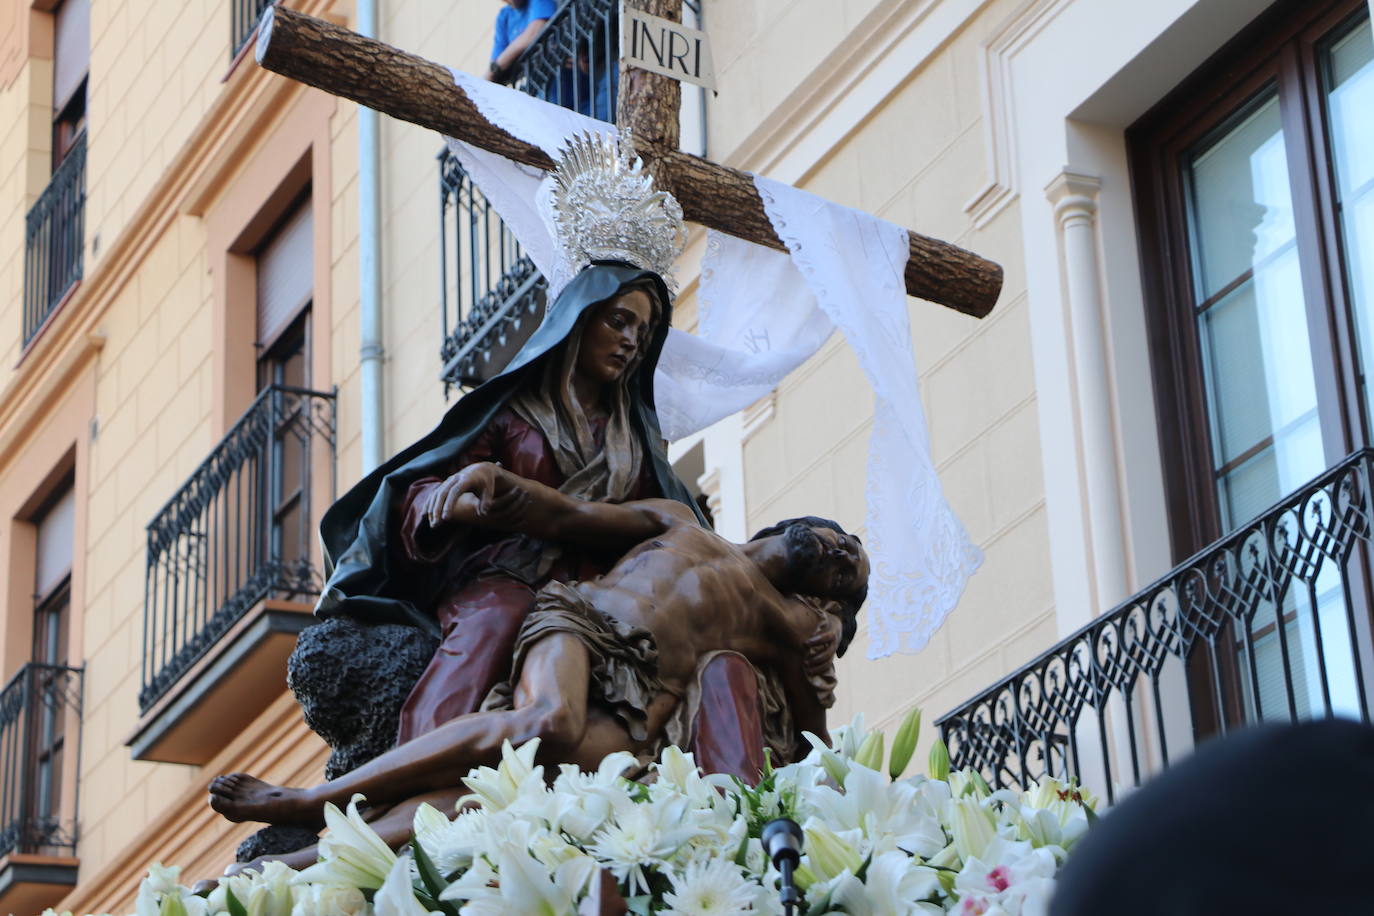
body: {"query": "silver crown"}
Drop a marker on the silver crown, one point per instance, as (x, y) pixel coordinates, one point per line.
(605, 208)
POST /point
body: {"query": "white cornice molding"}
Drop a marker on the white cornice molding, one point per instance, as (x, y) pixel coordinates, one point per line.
(999, 134)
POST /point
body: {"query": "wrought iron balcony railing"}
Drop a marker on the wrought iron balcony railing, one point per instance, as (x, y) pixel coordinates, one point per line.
(236, 533)
(573, 61)
(40, 715)
(243, 22)
(1271, 623)
(491, 295)
(54, 236)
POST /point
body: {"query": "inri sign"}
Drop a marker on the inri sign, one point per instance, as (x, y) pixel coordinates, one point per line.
(661, 46)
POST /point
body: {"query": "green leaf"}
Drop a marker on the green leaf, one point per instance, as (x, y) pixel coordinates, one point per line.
(862, 873)
(232, 904)
(432, 879)
(904, 744)
(642, 904)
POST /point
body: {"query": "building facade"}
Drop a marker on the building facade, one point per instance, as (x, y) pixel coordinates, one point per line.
(1156, 437)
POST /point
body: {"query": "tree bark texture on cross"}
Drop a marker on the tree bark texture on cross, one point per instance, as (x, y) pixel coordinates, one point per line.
(408, 87)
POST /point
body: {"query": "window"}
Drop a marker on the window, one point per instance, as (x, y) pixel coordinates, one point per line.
(71, 61)
(54, 229)
(285, 269)
(1255, 185)
(47, 721)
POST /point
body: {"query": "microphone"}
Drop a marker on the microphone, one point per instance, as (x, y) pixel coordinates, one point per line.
(782, 842)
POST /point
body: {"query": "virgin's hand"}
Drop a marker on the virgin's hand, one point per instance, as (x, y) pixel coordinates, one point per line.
(478, 482)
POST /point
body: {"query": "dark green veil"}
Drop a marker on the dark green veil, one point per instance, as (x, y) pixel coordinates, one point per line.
(360, 579)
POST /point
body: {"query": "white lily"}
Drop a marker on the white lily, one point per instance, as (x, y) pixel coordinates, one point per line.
(262, 893)
(972, 826)
(160, 895)
(329, 900)
(582, 802)
(515, 776)
(396, 895)
(1049, 814)
(480, 882)
(830, 853)
(528, 887)
(881, 809)
(351, 852)
(893, 886)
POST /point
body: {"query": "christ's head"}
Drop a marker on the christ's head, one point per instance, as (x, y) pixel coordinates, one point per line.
(825, 561)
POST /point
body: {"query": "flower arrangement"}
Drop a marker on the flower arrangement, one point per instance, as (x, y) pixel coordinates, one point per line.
(683, 843)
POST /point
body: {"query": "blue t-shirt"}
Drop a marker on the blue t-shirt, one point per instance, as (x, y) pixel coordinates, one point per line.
(511, 21)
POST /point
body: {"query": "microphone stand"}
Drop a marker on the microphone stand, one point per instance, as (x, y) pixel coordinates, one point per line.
(782, 841)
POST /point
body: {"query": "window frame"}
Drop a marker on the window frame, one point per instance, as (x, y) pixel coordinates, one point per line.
(1281, 50)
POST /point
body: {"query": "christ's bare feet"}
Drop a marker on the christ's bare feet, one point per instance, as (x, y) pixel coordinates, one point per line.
(240, 797)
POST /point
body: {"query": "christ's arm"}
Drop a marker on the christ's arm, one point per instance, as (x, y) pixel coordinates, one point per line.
(489, 496)
(806, 638)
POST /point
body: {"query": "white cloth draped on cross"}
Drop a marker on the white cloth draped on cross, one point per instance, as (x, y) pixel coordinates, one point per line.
(762, 313)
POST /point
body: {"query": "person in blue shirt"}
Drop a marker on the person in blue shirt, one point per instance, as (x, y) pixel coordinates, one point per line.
(585, 80)
(516, 28)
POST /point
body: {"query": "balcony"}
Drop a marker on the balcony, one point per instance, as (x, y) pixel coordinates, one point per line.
(1269, 624)
(40, 737)
(243, 22)
(54, 236)
(491, 295)
(232, 576)
(573, 62)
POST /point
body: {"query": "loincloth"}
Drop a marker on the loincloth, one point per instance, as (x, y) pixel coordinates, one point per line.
(623, 660)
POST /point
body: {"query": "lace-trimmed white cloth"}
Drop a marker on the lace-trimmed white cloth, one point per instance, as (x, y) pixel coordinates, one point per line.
(763, 313)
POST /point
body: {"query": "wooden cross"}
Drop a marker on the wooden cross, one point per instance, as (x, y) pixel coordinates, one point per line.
(383, 78)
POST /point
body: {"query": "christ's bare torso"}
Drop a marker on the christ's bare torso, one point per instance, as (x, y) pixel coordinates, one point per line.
(696, 593)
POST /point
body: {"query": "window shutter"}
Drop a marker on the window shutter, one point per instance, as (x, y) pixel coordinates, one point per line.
(56, 529)
(71, 50)
(286, 267)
